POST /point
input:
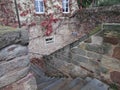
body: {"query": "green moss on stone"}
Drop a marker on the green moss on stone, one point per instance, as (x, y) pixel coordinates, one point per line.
(4, 29)
(95, 30)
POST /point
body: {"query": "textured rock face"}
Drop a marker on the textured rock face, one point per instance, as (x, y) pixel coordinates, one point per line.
(26, 83)
(12, 52)
(116, 53)
(115, 77)
(111, 40)
(14, 60)
(9, 37)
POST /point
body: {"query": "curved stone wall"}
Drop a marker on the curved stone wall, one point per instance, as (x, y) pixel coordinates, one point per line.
(14, 59)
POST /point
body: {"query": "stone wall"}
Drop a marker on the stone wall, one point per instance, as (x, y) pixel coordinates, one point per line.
(97, 57)
(14, 59)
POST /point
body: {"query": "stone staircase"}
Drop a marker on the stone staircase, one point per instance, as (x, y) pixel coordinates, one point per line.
(57, 83)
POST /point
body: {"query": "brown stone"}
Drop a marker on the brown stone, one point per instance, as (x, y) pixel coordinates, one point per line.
(111, 40)
(115, 77)
(26, 83)
(116, 53)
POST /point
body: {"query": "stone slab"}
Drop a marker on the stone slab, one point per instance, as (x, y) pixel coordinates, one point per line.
(116, 53)
(13, 76)
(19, 62)
(8, 37)
(95, 85)
(13, 51)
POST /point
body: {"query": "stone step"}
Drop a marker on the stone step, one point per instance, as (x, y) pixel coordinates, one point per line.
(85, 54)
(78, 86)
(45, 84)
(95, 85)
(37, 70)
(40, 80)
(66, 83)
(73, 84)
(55, 85)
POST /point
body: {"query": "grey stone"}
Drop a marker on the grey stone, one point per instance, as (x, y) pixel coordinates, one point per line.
(24, 37)
(104, 70)
(97, 40)
(77, 71)
(95, 85)
(78, 51)
(79, 58)
(13, 76)
(95, 48)
(19, 62)
(13, 51)
(8, 37)
(93, 55)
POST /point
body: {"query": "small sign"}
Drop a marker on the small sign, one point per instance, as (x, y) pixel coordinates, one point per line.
(50, 39)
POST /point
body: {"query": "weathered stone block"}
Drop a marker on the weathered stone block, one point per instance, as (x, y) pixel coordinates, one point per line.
(103, 69)
(8, 37)
(24, 39)
(95, 48)
(116, 53)
(78, 51)
(110, 63)
(79, 58)
(19, 62)
(13, 76)
(77, 71)
(26, 83)
(13, 51)
(102, 49)
(115, 77)
(97, 40)
(111, 40)
(93, 55)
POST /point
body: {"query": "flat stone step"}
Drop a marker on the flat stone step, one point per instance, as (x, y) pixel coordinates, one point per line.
(73, 84)
(78, 86)
(95, 85)
(67, 82)
(55, 85)
(45, 79)
(37, 70)
(46, 83)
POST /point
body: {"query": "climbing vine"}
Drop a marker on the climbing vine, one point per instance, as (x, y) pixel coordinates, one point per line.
(26, 9)
(7, 14)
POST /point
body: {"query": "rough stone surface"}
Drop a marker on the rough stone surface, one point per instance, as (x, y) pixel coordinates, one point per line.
(13, 51)
(24, 39)
(78, 51)
(17, 63)
(94, 48)
(93, 55)
(14, 60)
(95, 85)
(78, 72)
(13, 76)
(115, 77)
(110, 63)
(116, 53)
(97, 40)
(8, 37)
(79, 58)
(27, 83)
(111, 40)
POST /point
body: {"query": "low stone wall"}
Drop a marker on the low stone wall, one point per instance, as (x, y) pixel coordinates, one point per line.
(14, 59)
(98, 58)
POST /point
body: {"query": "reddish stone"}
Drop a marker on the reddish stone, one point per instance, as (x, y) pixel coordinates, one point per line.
(39, 62)
(115, 77)
(111, 40)
(116, 53)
